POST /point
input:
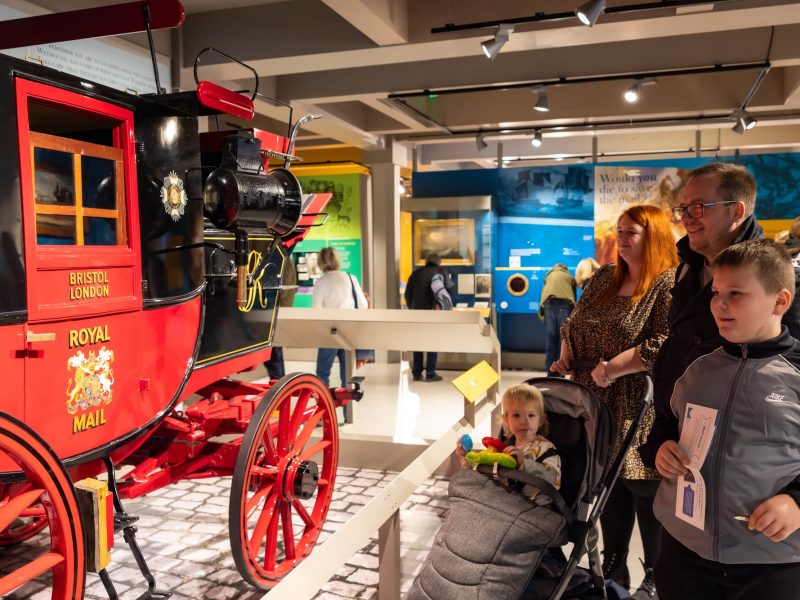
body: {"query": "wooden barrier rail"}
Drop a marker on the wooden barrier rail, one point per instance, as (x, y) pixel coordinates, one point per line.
(382, 513)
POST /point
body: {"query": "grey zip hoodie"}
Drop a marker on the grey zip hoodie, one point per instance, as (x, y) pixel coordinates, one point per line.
(755, 452)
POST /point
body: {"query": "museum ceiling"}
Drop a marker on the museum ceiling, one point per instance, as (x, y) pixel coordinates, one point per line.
(414, 71)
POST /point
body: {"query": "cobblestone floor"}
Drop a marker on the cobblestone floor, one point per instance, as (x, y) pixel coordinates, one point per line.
(183, 532)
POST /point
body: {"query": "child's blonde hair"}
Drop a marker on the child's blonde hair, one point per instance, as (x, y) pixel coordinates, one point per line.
(523, 394)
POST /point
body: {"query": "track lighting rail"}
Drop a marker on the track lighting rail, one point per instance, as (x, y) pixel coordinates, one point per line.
(574, 80)
(546, 17)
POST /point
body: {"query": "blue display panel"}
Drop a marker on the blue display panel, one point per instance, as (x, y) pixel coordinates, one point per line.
(528, 248)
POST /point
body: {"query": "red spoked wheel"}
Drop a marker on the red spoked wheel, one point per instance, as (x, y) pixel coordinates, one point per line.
(30, 522)
(283, 480)
(48, 486)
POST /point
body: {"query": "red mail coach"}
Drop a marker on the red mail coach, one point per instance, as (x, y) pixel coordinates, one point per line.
(140, 268)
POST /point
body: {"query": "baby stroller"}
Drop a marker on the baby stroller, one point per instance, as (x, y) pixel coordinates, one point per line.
(496, 543)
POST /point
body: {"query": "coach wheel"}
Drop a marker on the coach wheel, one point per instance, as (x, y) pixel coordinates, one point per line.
(47, 486)
(30, 522)
(283, 480)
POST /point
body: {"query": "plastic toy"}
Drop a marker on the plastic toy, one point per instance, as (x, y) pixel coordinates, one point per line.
(493, 454)
(490, 456)
(491, 442)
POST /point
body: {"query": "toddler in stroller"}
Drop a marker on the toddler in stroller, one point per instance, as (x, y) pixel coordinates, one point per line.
(497, 542)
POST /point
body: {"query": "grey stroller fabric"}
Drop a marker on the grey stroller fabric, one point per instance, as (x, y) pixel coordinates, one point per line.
(490, 544)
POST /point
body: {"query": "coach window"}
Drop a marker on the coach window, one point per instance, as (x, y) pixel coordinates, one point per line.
(77, 171)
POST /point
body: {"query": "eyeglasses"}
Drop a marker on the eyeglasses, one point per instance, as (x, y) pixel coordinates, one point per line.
(696, 210)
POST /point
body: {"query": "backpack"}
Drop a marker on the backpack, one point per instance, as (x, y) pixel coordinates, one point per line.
(440, 293)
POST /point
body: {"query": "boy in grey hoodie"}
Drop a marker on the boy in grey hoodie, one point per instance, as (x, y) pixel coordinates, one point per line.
(742, 540)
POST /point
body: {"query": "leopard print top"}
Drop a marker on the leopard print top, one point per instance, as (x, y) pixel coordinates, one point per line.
(596, 332)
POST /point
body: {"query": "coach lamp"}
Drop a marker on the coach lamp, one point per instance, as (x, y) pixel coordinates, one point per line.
(240, 196)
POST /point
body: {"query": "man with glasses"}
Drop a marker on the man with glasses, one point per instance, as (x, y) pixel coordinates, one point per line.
(717, 202)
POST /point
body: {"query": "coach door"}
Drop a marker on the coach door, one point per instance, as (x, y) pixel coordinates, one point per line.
(82, 266)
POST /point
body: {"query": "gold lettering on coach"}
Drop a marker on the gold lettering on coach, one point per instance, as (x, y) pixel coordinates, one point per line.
(88, 335)
(85, 285)
(89, 420)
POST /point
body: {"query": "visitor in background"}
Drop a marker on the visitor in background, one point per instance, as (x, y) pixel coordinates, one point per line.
(419, 295)
(335, 289)
(556, 302)
(585, 270)
(275, 365)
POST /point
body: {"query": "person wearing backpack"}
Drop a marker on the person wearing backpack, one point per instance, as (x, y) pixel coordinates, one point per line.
(427, 289)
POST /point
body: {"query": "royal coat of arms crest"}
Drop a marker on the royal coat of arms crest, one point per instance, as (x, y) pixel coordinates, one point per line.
(92, 379)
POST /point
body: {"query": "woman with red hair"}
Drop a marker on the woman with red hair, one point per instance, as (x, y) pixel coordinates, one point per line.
(615, 331)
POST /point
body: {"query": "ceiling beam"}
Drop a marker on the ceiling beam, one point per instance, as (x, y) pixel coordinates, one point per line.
(565, 37)
(385, 22)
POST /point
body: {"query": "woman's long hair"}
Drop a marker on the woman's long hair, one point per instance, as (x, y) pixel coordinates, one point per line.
(659, 254)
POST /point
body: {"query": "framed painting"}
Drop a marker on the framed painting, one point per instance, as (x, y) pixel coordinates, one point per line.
(483, 285)
(452, 239)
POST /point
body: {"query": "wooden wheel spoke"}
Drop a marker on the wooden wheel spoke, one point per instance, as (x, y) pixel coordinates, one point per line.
(268, 471)
(269, 444)
(17, 505)
(288, 531)
(29, 571)
(299, 410)
(303, 513)
(271, 553)
(264, 520)
(311, 451)
(284, 424)
(305, 435)
(252, 503)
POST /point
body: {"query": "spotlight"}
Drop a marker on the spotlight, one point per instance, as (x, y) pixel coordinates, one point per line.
(589, 12)
(536, 140)
(744, 122)
(480, 143)
(631, 95)
(542, 100)
(492, 47)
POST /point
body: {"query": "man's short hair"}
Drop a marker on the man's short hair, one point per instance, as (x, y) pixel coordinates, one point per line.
(433, 260)
(770, 260)
(736, 182)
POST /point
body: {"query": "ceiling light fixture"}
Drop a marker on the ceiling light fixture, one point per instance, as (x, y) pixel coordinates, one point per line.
(542, 99)
(589, 12)
(744, 122)
(492, 47)
(631, 95)
(536, 140)
(480, 142)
